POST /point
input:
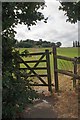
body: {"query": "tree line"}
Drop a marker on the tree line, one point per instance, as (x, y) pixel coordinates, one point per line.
(76, 43)
(31, 43)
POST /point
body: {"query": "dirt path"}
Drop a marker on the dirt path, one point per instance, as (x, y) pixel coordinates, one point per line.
(56, 105)
(42, 109)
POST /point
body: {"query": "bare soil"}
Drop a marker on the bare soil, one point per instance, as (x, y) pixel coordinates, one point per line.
(63, 104)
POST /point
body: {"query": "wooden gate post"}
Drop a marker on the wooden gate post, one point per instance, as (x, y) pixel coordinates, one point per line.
(75, 72)
(55, 68)
(48, 70)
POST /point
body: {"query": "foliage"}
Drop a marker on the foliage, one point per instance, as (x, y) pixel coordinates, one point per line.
(31, 44)
(20, 12)
(58, 44)
(15, 92)
(76, 43)
(72, 11)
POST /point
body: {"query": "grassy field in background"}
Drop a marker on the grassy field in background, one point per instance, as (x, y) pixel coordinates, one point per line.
(66, 51)
(62, 64)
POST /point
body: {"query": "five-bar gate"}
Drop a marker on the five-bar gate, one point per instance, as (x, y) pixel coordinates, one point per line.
(44, 57)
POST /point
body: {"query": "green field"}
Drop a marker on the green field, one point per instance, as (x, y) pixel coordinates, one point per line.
(62, 64)
(70, 52)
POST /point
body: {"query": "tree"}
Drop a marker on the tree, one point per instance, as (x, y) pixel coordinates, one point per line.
(72, 10)
(31, 43)
(14, 13)
(73, 44)
(78, 44)
(58, 44)
(14, 91)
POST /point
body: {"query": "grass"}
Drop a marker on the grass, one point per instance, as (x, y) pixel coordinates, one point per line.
(70, 52)
(62, 64)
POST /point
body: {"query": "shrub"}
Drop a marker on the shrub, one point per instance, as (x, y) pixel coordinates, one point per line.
(16, 93)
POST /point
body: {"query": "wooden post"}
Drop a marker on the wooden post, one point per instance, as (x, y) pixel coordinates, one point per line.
(55, 68)
(48, 70)
(75, 72)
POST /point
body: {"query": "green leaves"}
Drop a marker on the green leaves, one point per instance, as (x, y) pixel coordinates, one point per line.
(21, 12)
(16, 92)
(72, 11)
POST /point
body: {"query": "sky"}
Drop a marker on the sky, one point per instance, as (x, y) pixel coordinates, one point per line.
(55, 30)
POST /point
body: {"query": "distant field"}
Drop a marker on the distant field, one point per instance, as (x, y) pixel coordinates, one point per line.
(62, 64)
(71, 52)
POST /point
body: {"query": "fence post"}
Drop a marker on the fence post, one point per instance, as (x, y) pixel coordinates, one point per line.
(55, 68)
(48, 70)
(75, 72)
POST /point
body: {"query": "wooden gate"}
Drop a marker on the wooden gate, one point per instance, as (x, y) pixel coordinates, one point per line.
(46, 56)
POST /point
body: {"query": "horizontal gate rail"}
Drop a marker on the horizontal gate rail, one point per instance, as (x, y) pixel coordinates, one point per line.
(41, 85)
(38, 68)
(26, 75)
(34, 61)
(32, 54)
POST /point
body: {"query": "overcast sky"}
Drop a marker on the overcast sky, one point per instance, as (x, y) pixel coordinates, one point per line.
(56, 29)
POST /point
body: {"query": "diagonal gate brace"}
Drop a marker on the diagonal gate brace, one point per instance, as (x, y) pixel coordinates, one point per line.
(37, 63)
(31, 70)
